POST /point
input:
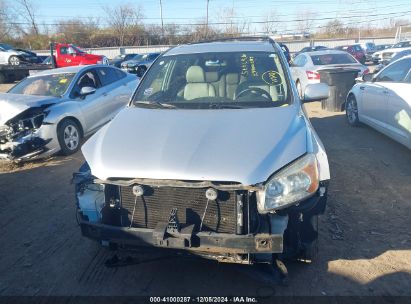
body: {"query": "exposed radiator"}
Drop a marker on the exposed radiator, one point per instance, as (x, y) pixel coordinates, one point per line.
(156, 204)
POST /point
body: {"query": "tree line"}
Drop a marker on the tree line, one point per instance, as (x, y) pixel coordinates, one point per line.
(123, 25)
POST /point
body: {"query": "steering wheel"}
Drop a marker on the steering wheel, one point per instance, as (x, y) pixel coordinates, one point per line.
(254, 91)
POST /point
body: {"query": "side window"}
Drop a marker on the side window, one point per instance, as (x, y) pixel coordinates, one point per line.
(300, 60)
(152, 56)
(395, 72)
(87, 79)
(109, 75)
(63, 50)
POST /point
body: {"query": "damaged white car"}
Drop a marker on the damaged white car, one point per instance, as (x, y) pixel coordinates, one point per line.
(53, 110)
(213, 156)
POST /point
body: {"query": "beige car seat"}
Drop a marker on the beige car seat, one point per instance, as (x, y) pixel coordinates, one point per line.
(196, 86)
(231, 81)
(218, 84)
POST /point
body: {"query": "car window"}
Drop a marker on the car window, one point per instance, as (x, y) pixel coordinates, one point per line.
(47, 85)
(326, 59)
(395, 72)
(88, 78)
(109, 75)
(242, 79)
(300, 61)
(63, 50)
(152, 56)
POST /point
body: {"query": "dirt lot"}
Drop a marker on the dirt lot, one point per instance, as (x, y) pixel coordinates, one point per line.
(365, 235)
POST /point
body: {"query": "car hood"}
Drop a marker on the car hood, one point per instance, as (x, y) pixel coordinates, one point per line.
(232, 145)
(13, 104)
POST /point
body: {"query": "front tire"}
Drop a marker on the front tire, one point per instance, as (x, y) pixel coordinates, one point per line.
(351, 111)
(14, 60)
(69, 136)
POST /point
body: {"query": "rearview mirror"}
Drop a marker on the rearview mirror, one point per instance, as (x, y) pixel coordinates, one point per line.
(87, 91)
(316, 92)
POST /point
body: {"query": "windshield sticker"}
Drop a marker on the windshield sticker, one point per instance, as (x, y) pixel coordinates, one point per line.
(244, 65)
(271, 78)
(161, 62)
(254, 72)
(63, 80)
(148, 91)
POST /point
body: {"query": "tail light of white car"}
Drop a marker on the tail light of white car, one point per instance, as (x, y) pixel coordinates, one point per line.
(312, 75)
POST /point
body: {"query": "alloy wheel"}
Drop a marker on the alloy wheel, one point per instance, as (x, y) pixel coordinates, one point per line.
(71, 137)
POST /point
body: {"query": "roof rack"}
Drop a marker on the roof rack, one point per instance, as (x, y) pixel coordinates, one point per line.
(239, 38)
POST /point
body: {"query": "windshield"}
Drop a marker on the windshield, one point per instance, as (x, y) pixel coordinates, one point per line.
(332, 59)
(49, 85)
(6, 47)
(78, 50)
(215, 80)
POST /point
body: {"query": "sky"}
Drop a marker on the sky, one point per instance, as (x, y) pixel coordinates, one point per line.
(286, 13)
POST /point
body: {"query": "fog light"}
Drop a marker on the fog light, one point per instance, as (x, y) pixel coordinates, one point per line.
(138, 190)
(211, 194)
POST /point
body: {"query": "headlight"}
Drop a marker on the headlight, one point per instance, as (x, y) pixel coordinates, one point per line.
(292, 184)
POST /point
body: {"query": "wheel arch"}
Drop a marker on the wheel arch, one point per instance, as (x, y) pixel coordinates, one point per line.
(74, 119)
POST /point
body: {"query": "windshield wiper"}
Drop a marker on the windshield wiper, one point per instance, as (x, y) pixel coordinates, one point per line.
(155, 104)
(226, 106)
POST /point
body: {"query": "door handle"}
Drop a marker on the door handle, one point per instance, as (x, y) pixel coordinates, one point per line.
(386, 92)
(105, 94)
(362, 88)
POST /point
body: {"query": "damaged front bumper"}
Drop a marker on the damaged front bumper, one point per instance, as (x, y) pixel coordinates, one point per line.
(27, 144)
(254, 238)
(206, 242)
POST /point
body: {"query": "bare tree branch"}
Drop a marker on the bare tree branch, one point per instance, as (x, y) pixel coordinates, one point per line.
(28, 12)
(122, 18)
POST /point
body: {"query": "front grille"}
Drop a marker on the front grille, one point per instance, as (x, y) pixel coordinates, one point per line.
(155, 206)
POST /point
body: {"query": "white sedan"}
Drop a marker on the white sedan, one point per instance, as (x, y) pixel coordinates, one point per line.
(383, 101)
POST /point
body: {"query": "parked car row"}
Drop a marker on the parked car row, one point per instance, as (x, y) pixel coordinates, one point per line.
(306, 67)
(386, 54)
(381, 99)
(366, 51)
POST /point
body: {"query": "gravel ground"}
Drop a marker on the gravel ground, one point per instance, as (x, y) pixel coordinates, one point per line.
(364, 245)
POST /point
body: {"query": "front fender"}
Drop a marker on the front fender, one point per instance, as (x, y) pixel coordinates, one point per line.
(357, 92)
(68, 108)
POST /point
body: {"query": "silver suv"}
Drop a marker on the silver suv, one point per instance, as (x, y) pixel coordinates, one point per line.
(213, 155)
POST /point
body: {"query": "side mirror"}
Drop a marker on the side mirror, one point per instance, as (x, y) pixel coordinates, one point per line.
(140, 71)
(87, 91)
(316, 92)
(368, 77)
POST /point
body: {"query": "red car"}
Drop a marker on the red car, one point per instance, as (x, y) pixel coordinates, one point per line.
(70, 55)
(355, 50)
